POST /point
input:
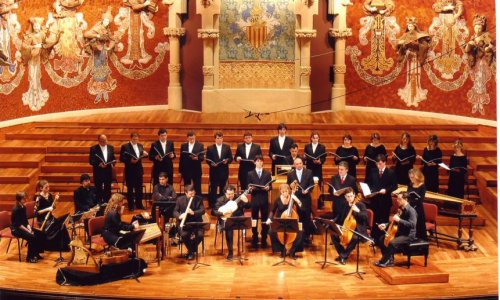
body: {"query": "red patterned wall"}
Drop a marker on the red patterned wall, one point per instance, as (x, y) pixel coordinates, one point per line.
(151, 90)
(453, 102)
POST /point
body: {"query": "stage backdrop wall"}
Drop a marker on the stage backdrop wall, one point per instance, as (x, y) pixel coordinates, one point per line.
(444, 84)
(70, 78)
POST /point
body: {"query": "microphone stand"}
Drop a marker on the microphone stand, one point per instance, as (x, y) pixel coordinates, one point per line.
(357, 272)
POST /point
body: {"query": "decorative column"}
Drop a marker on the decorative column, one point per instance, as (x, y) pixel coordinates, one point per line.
(305, 31)
(210, 41)
(340, 33)
(174, 31)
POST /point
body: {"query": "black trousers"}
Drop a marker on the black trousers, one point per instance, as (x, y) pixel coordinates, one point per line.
(191, 239)
(344, 252)
(35, 241)
(395, 246)
(216, 189)
(134, 191)
(102, 189)
(195, 180)
(260, 205)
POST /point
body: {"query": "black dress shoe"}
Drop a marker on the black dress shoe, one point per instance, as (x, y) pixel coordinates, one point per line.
(32, 260)
(385, 264)
(337, 258)
(39, 257)
(255, 246)
(293, 256)
(343, 261)
(230, 257)
(263, 245)
(190, 256)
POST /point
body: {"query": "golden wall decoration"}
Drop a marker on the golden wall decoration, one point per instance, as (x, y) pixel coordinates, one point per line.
(274, 75)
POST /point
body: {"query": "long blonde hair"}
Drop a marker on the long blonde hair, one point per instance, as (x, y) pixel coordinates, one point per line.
(114, 203)
(419, 176)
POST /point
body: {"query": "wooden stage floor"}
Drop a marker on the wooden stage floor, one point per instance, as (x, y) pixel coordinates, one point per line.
(471, 274)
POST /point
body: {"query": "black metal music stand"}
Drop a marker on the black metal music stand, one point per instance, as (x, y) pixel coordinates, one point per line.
(193, 227)
(62, 226)
(285, 226)
(239, 223)
(361, 236)
(168, 208)
(328, 226)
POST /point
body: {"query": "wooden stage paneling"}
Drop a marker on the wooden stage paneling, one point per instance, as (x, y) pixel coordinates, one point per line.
(60, 146)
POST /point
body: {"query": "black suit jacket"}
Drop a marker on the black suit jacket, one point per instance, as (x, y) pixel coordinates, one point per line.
(274, 148)
(196, 206)
(317, 169)
(305, 182)
(388, 181)
(350, 181)
(259, 195)
(188, 165)
(131, 170)
(221, 171)
(166, 163)
(340, 213)
(246, 166)
(96, 157)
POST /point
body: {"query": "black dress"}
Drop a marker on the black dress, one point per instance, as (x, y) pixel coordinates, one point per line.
(277, 209)
(431, 173)
(348, 153)
(34, 239)
(111, 230)
(456, 182)
(43, 203)
(416, 198)
(372, 153)
(402, 167)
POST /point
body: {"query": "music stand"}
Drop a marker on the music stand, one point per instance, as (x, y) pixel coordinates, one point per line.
(328, 226)
(357, 272)
(285, 226)
(192, 227)
(73, 220)
(168, 207)
(62, 226)
(239, 223)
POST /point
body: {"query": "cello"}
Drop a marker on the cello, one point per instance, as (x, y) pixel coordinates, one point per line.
(349, 224)
(290, 213)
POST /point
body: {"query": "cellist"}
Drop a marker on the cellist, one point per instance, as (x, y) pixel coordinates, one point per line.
(352, 213)
(407, 228)
(280, 205)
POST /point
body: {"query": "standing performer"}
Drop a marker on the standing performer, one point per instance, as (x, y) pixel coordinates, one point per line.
(431, 158)
(131, 155)
(102, 158)
(315, 156)
(260, 182)
(341, 182)
(404, 157)
(372, 150)
(416, 195)
(279, 147)
(348, 153)
(245, 155)
(221, 213)
(458, 171)
(305, 181)
(347, 215)
(219, 157)
(161, 154)
(193, 213)
(192, 154)
(20, 228)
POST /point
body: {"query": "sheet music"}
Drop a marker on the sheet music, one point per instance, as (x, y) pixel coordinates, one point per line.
(370, 159)
(133, 156)
(425, 161)
(262, 186)
(403, 158)
(307, 189)
(341, 157)
(316, 158)
(194, 154)
(244, 159)
(216, 163)
(366, 190)
(339, 192)
(444, 166)
(105, 163)
(277, 155)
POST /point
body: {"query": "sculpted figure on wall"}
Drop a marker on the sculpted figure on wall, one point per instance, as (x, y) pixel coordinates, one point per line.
(35, 50)
(7, 21)
(413, 45)
(99, 41)
(481, 52)
(378, 7)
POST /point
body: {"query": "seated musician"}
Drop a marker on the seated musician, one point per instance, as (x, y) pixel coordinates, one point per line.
(193, 213)
(113, 225)
(20, 228)
(44, 201)
(405, 234)
(280, 205)
(84, 198)
(162, 192)
(221, 210)
(339, 216)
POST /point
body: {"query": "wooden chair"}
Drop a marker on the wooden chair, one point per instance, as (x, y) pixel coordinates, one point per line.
(431, 213)
(5, 231)
(95, 230)
(369, 216)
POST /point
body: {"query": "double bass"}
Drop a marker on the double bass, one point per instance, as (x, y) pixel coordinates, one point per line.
(290, 213)
(349, 224)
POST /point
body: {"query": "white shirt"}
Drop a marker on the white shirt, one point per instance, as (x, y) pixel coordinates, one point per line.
(136, 150)
(247, 149)
(190, 147)
(104, 152)
(164, 146)
(314, 146)
(281, 141)
(299, 174)
(219, 150)
(259, 172)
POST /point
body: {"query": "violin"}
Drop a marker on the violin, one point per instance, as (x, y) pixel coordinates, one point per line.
(349, 224)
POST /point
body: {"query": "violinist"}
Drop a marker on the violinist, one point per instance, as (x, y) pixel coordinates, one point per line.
(21, 229)
(223, 200)
(44, 201)
(280, 205)
(304, 178)
(351, 213)
(193, 213)
(406, 223)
